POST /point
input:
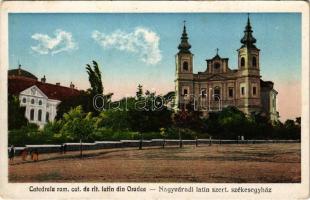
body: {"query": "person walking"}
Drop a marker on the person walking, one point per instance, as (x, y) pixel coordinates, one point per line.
(24, 154)
(35, 154)
(12, 153)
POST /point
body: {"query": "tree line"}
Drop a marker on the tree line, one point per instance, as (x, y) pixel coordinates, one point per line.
(78, 119)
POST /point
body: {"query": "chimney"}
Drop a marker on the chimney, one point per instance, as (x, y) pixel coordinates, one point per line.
(19, 69)
(58, 84)
(43, 80)
(71, 85)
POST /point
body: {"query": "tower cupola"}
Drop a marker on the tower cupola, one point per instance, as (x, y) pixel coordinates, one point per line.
(184, 46)
(248, 40)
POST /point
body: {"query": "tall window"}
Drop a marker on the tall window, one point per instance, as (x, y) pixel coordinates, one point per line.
(185, 66)
(31, 114)
(217, 94)
(40, 102)
(242, 62)
(24, 100)
(254, 62)
(230, 92)
(185, 92)
(242, 91)
(217, 67)
(32, 101)
(203, 93)
(40, 115)
(254, 91)
(47, 117)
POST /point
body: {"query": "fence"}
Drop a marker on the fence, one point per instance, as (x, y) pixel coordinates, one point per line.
(135, 143)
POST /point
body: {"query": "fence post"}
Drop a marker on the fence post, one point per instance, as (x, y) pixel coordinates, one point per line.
(196, 141)
(140, 143)
(180, 137)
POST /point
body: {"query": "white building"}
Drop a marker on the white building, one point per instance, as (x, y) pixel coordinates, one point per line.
(39, 108)
(40, 98)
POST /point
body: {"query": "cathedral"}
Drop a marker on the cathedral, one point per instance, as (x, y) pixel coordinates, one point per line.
(219, 86)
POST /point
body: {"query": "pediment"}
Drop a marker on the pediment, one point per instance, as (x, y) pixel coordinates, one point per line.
(33, 91)
(216, 77)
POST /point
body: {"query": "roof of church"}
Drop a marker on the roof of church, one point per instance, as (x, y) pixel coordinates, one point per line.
(266, 83)
(17, 84)
(20, 72)
(248, 40)
(184, 46)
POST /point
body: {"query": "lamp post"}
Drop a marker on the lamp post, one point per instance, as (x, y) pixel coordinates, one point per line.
(141, 140)
(81, 154)
(180, 138)
(210, 89)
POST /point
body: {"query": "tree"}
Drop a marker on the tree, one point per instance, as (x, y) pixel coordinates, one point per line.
(163, 133)
(16, 113)
(78, 125)
(180, 120)
(84, 99)
(298, 121)
(94, 77)
(292, 130)
(139, 92)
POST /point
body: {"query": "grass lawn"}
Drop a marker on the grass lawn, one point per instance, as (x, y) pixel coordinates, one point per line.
(226, 163)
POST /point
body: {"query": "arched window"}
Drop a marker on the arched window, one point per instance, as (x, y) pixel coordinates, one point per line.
(47, 117)
(40, 115)
(217, 67)
(32, 101)
(254, 62)
(185, 66)
(185, 92)
(24, 100)
(40, 102)
(31, 114)
(203, 93)
(217, 94)
(242, 62)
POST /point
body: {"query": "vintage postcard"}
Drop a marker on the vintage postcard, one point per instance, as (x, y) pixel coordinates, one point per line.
(154, 100)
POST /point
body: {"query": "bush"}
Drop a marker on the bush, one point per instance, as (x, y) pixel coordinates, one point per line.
(102, 134)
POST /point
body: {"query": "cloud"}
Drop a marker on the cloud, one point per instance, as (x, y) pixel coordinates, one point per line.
(142, 41)
(62, 41)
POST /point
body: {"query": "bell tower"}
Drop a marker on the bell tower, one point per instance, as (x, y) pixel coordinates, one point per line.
(249, 72)
(184, 72)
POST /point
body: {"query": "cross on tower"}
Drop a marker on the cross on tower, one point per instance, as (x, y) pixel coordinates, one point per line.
(19, 65)
(217, 51)
(184, 22)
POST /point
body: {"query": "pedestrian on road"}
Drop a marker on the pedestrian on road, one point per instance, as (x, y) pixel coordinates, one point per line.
(12, 152)
(35, 155)
(24, 153)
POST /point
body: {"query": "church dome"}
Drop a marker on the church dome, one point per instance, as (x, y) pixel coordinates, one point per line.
(22, 73)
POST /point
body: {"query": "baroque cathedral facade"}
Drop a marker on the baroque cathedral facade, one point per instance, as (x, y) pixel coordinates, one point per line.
(219, 86)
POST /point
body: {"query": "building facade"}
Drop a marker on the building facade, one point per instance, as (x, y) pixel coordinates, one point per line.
(219, 86)
(38, 97)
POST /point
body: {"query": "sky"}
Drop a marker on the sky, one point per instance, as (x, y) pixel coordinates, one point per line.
(134, 49)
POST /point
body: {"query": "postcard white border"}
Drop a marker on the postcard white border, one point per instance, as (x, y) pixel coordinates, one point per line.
(283, 191)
